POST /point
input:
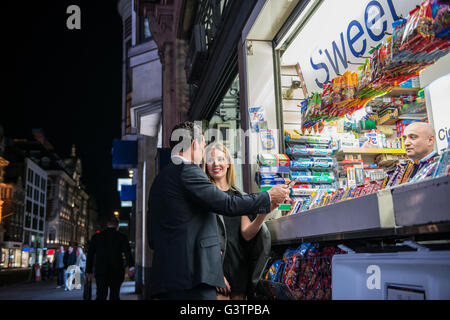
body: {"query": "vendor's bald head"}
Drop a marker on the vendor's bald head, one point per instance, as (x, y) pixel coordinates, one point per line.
(419, 140)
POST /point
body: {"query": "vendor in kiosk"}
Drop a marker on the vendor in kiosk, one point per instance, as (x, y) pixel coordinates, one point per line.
(419, 138)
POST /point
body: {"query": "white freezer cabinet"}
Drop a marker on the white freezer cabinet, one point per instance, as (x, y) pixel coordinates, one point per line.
(418, 275)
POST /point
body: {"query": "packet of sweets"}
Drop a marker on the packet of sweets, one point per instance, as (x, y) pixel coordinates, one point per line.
(363, 80)
(336, 93)
(344, 85)
(410, 28)
(441, 16)
(326, 96)
(353, 85)
(419, 27)
(273, 271)
(398, 27)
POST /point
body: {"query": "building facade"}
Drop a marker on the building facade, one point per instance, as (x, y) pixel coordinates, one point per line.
(35, 207)
(67, 211)
(55, 203)
(11, 221)
(197, 44)
(11, 225)
(24, 210)
(141, 124)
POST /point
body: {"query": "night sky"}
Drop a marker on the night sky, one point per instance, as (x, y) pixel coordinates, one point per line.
(67, 82)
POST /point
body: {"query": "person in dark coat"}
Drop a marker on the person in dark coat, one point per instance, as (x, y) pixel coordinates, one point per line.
(59, 266)
(107, 249)
(182, 228)
(69, 259)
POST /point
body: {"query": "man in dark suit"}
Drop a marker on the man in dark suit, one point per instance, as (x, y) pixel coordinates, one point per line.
(182, 230)
(107, 249)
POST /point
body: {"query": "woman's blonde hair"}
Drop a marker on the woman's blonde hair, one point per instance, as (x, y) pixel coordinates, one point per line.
(231, 172)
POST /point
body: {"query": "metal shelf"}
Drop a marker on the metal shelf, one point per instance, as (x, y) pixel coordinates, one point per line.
(370, 151)
(418, 208)
(401, 91)
(412, 116)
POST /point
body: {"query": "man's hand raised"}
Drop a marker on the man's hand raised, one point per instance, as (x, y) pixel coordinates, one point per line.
(279, 193)
(274, 206)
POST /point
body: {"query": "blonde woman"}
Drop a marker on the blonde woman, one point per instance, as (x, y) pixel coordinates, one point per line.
(245, 239)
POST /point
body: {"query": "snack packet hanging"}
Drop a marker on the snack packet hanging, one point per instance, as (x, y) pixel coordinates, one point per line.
(441, 16)
(273, 271)
(336, 92)
(326, 96)
(419, 27)
(398, 27)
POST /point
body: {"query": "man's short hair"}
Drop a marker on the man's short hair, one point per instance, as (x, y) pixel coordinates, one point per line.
(186, 131)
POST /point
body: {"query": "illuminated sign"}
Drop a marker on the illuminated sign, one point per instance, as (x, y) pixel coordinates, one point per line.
(123, 182)
(128, 193)
(126, 204)
(348, 29)
(437, 92)
(124, 154)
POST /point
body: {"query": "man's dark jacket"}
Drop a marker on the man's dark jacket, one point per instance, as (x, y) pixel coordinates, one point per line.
(107, 249)
(69, 259)
(183, 228)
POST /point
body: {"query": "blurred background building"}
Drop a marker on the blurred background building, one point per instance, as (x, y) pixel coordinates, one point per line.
(43, 202)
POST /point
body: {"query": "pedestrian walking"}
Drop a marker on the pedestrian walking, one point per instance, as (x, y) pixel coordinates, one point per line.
(105, 258)
(46, 270)
(70, 259)
(81, 262)
(59, 266)
(182, 229)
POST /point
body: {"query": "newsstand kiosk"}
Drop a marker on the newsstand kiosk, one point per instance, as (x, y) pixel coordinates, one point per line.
(329, 95)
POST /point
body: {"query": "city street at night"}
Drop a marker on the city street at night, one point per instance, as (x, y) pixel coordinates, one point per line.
(46, 290)
(247, 151)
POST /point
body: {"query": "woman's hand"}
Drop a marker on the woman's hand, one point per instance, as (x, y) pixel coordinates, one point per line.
(225, 291)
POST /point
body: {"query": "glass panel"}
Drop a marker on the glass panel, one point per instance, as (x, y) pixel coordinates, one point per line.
(28, 222)
(147, 33)
(25, 257)
(30, 175)
(4, 260)
(225, 128)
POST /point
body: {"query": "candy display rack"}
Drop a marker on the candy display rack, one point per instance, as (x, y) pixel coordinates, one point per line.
(312, 164)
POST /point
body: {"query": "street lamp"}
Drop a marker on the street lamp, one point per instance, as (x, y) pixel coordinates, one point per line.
(116, 213)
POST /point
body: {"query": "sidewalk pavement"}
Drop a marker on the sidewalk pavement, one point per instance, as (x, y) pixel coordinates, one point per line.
(46, 290)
